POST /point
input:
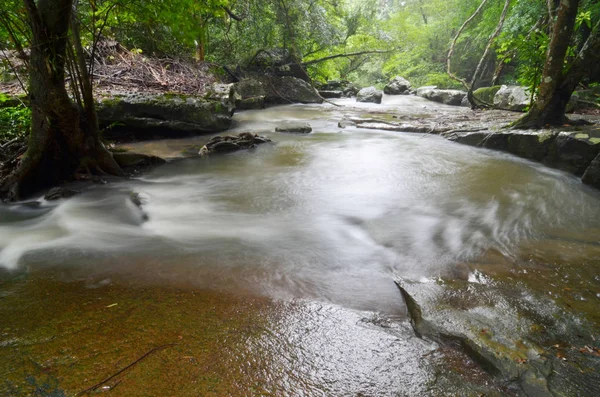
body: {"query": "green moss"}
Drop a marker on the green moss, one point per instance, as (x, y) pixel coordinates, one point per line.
(582, 136)
(544, 136)
(486, 94)
(595, 141)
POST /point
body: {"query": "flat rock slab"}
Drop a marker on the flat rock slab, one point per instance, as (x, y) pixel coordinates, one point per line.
(294, 127)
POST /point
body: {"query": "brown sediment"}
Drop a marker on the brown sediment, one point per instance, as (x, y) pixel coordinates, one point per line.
(69, 336)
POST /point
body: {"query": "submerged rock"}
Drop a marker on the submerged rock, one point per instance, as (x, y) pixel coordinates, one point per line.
(232, 143)
(148, 116)
(57, 193)
(294, 127)
(398, 86)
(369, 94)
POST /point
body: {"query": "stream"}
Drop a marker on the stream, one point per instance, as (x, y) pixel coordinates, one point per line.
(300, 244)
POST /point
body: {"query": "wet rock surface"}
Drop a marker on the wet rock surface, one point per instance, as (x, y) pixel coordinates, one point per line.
(151, 116)
(232, 143)
(398, 86)
(447, 97)
(294, 127)
(137, 163)
(369, 94)
(58, 193)
(515, 98)
(261, 91)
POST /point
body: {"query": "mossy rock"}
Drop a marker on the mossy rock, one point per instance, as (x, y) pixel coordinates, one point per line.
(147, 116)
(486, 94)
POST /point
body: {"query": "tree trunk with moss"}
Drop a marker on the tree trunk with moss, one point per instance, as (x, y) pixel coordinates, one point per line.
(559, 82)
(62, 142)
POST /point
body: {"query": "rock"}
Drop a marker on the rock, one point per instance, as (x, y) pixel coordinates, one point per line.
(486, 94)
(465, 102)
(592, 173)
(422, 90)
(447, 97)
(369, 94)
(232, 143)
(331, 94)
(346, 123)
(224, 93)
(265, 90)
(334, 85)
(350, 90)
(148, 116)
(57, 193)
(573, 152)
(251, 94)
(398, 86)
(278, 62)
(131, 160)
(514, 98)
(294, 127)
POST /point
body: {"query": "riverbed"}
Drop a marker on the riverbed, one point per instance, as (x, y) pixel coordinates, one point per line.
(273, 271)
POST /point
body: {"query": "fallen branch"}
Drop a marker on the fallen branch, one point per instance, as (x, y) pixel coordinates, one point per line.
(148, 353)
(350, 54)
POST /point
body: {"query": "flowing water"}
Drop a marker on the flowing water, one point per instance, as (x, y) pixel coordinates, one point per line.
(321, 223)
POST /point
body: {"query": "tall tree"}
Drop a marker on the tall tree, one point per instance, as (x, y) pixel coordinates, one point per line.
(558, 79)
(62, 141)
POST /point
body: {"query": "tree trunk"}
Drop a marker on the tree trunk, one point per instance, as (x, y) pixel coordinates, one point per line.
(61, 142)
(556, 87)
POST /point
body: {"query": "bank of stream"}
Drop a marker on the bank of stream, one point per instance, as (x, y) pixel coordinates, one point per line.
(273, 271)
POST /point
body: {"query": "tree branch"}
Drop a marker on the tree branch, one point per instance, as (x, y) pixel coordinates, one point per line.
(451, 51)
(351, 54)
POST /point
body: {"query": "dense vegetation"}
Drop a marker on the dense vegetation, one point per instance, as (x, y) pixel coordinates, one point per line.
(413, 35)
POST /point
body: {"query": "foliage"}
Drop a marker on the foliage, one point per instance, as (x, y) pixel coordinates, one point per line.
(15, 121)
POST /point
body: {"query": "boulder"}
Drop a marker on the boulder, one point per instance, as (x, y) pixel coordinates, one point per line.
(251, 94)
(346, 123)
(331, 94)
(350, 90)
(573, 152)
(447, 97)
(265, 90)
(369, 94)
(224, 93)
(232, 143)
(398, 86)
(294, 127)
(421, 91)
(514, 98)
(487, 94)
(592, 174)
(148, 116)
(278, 62)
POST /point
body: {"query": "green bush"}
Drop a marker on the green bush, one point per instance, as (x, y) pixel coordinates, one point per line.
(14, 122)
